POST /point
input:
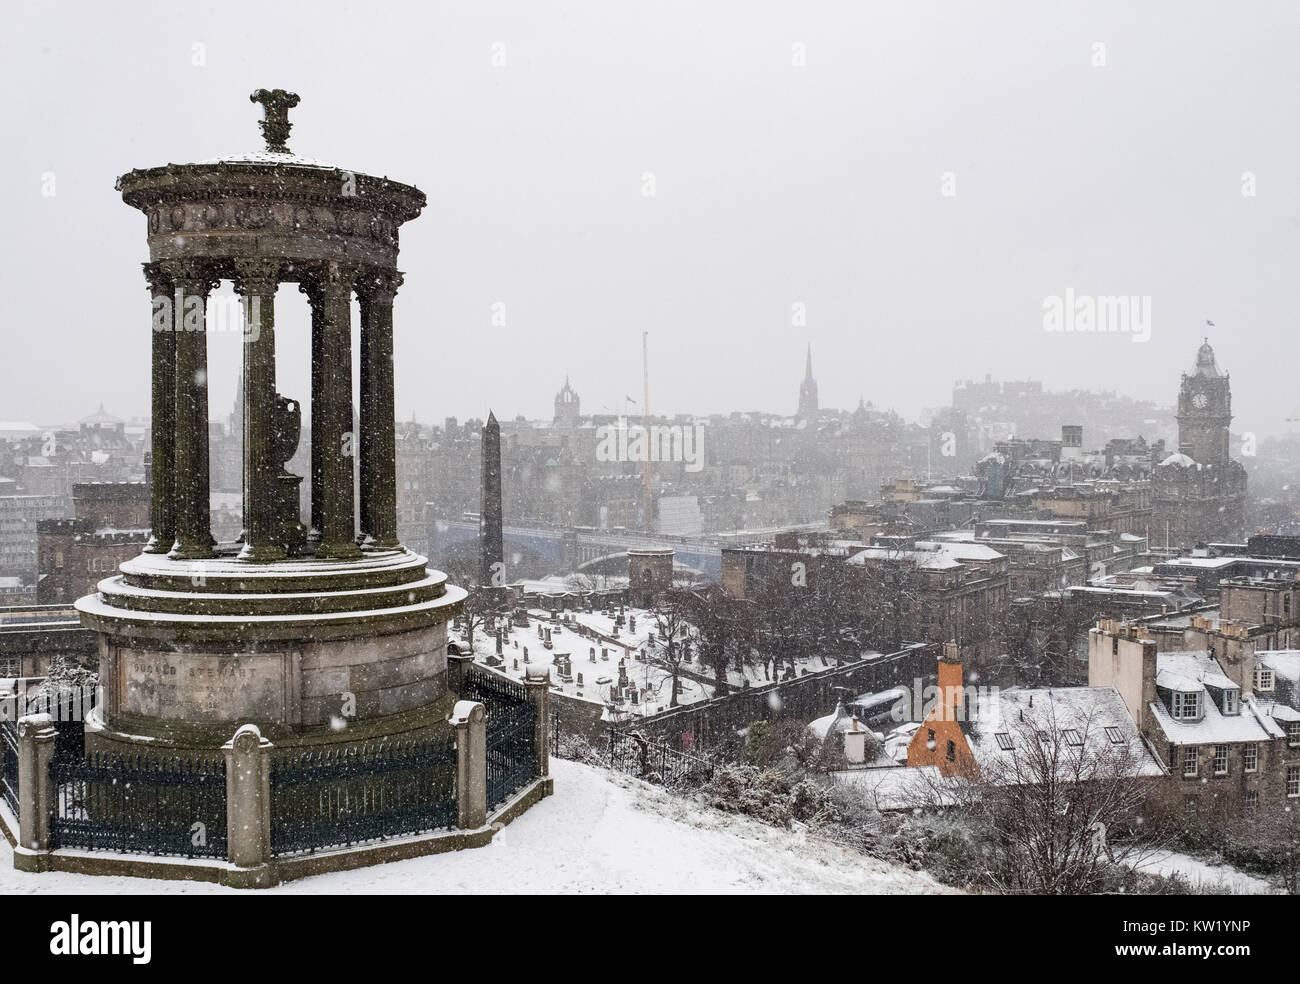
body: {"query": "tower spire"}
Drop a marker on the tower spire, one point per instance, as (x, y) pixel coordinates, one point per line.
(808, 389)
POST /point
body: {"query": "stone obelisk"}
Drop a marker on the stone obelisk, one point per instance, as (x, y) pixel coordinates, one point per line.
(492, 568)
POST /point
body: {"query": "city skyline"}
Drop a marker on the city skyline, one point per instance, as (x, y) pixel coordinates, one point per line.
(897, 190)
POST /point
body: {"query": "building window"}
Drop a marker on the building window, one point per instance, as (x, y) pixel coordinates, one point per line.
(952, 751)
(1293, 781)
(1186, 705)
(1189, 760)
(1220, 760)
(1293, 733)
(1072, 737)
(1230, 702)
(1252, 799)
(1114, 735)
(1250, 756)
(1263, 678)
(1004, 741)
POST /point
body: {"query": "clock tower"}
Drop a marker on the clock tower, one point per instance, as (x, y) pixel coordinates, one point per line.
(1199, 493)
(1205, 411)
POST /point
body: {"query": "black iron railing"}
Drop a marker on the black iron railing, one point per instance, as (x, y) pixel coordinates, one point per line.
(133, 804)
(334, 798)
(634, 754)
(511, 733)
(511, 752)
(496, 694)
(9, 783)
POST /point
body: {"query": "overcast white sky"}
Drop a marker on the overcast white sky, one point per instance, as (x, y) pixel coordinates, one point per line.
(775, 185)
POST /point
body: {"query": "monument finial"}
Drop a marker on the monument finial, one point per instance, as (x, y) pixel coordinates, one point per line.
(276, 104)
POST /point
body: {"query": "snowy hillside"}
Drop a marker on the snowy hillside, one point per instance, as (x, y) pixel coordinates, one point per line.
(600, 833)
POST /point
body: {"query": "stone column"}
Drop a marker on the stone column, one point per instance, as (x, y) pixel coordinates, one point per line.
(337, 442)
(36, 734)
(162, 506)
(248, 803)
(470, 721)
(257, 282)
(537, 684)
(193, 532)
(315, 297)
(378, 441)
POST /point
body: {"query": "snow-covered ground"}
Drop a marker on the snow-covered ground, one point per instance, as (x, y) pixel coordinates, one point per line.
(1202, 875)
(600, 833)
(652, 681)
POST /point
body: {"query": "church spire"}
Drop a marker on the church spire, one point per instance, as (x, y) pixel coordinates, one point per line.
(808, 389)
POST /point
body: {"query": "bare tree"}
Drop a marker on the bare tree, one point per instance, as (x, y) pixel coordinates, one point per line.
(672, 611)
(583, 582)
(481, 607)
(724, 628)
(1058, 808)
(1063, 805)
(891, 596)
(780, 629)
(1041, 634)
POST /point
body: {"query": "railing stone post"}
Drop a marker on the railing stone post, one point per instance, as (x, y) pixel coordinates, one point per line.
(470, 721)
(248, 808)
(8, 712)
(537, 685)
(36, 734)
(457, 670)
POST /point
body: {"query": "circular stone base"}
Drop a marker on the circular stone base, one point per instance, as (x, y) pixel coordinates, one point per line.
(190, 650)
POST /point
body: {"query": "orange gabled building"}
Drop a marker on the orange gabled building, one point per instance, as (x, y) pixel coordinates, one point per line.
(940, 741)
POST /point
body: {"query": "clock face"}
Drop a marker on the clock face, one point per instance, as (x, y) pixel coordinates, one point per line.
(1200, 401)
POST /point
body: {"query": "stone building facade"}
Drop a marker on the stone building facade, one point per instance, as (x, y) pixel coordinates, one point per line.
(1229, 746)
(110, 526)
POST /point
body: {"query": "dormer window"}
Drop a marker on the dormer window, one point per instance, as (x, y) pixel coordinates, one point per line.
(1232, 701)
(1186, 705)
(1263, 679)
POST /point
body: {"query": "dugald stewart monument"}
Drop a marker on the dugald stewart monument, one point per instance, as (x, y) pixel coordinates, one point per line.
(298, 628)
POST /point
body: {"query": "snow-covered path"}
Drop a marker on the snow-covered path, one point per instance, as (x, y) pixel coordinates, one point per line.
(600, 833)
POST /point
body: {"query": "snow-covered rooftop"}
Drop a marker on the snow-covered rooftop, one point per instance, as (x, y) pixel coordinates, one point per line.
(1094, 716)
(1193, 670)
